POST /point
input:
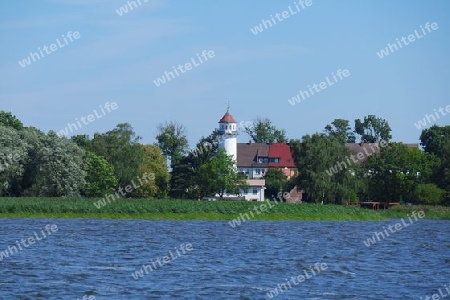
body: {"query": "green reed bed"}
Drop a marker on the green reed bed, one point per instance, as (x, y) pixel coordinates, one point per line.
(198, 210)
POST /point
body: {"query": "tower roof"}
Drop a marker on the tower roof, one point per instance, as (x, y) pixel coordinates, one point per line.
(227, 118)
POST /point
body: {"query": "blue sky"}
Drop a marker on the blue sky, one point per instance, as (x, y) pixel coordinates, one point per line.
(117, 58)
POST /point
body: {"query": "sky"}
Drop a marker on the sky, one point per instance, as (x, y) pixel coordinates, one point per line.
(117, 57)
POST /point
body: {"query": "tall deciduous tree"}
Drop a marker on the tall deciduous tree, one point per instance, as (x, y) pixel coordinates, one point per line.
(373, 129)
(172, 139)
(9, 120)
(219, 175)
(435, 138)
(397, 170)
(276, 182)
(13, 159)
(263, 131)
(120, 148)
(341, 130)
(60, 168)
(154, 164)
(100, 179)
(314, 156)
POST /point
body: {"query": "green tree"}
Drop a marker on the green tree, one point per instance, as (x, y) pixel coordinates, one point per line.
(219, 175)
(13, 158)
(9, 120)
(34, 138)
(120, 147)
(100, 178)
(276, 182)
(341, 130)
(154, 164)
(182, 181)
(82, 140)
(263, 131)
(60, 168)
(397, 170)
(428, 194)
(314, 156)
(373, 129)
(436, 140)
(173, 141)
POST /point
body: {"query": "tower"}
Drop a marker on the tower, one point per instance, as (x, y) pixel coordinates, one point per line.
(228, 135)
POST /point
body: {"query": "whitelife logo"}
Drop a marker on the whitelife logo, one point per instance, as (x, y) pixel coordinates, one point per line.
(423, 123)
(31, 240)
(411, 38)
(124, 9)
(187, 66)
(89, 119)
(284, 15)
(71, 36)
(162, 261)
(393, 229)
(323, 85)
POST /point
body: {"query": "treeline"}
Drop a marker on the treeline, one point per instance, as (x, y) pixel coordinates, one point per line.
(386, 171)
(33, 163)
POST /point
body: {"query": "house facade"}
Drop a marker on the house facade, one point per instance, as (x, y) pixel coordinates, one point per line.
(255, 159)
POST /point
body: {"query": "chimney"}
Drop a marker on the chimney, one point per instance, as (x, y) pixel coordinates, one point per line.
(249, 142)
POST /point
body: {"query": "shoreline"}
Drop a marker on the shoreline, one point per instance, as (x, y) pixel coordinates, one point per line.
(153, 209)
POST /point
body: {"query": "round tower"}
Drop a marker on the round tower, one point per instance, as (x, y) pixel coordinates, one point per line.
(228, 135)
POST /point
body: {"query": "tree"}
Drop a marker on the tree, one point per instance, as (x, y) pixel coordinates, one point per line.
(373, 129)
(182, 181)
(172, 139)
(154, 164)
(263, 131)
(341, 130)
(428, 194)
(82, 140)
(314, 156)
(34, 138)
(275, 181)
(435, 138)
(9, 120)
(13, 158)
(219, 175)
(395, 172)
(60, 168)
(120, 147)
(100, 178)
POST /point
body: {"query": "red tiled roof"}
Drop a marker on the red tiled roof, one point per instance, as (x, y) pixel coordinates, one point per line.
(283, 151)
(227, 118)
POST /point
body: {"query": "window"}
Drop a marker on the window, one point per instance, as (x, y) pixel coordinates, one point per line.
(255, 191)
(258, 171)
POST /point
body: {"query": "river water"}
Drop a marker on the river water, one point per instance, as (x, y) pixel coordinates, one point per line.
(98, 259)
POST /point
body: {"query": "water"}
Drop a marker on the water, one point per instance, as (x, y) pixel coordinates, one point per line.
(98, 257)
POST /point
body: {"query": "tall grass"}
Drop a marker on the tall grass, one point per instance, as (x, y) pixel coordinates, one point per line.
(187, 209)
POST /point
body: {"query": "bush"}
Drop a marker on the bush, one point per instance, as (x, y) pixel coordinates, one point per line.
(428, 194)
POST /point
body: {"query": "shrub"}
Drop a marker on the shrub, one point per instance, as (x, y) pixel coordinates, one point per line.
(428, 194)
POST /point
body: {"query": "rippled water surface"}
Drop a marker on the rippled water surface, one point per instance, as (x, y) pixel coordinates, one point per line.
(98, 257)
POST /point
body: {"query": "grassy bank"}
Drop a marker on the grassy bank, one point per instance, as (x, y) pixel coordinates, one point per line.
(199, 210)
